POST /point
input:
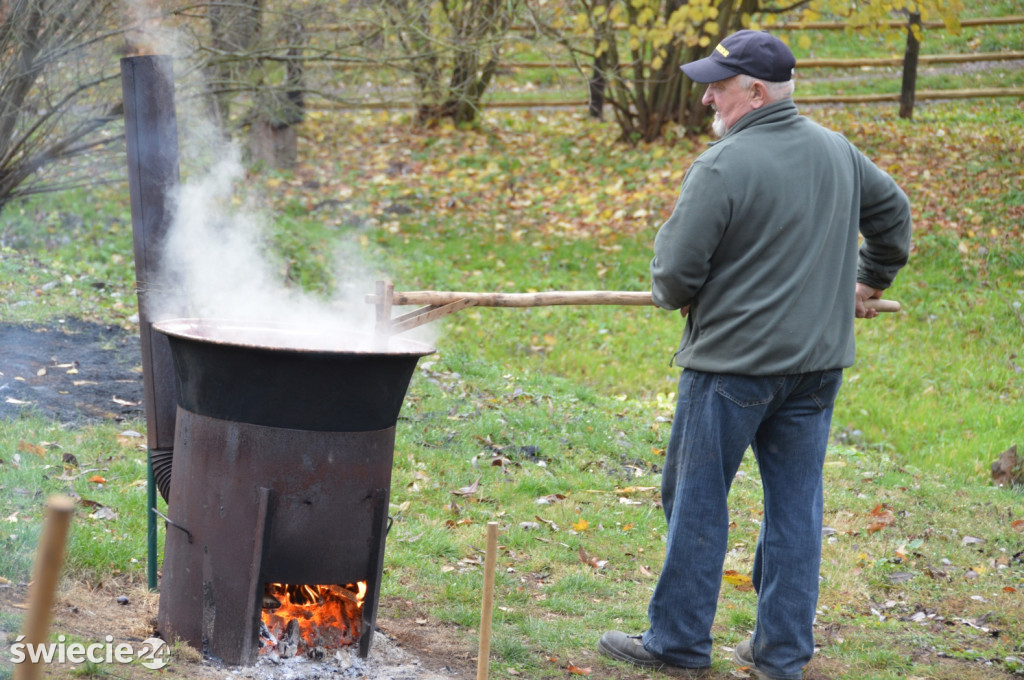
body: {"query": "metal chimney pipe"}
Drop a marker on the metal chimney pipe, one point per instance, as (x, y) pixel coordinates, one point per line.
(151, 136)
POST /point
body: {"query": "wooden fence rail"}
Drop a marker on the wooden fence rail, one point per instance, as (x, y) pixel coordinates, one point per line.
(841, 25)
(975, 93)
(856, 62)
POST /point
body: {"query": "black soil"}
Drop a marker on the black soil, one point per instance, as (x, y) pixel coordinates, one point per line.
(71, 371)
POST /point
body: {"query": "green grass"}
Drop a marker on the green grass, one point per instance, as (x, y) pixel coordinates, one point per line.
(107, 539)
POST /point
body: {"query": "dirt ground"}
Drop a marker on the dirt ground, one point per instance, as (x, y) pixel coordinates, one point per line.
(404, 648)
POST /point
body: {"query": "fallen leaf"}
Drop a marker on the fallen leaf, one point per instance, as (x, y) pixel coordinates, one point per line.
(576, 670)
(591, 561)
(629, 490)
(551, 525)
(104, 513)
(1017, 524)
(581, 525)
(734, 578)
(97, 479)
(468, 490)
(31, 448)
(552, 498)
(883, 518)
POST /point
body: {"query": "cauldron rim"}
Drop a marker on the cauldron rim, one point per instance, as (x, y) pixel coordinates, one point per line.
(225, 332)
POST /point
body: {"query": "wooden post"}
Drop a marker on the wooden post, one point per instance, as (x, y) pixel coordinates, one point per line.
(910, 66)
(487, 606)
(49, 559)
(384, 292)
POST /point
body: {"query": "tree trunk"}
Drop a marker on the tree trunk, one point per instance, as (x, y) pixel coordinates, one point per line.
(910, 67)
(595, 105)
(234, 27)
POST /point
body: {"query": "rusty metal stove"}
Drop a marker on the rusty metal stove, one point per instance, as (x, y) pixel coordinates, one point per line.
(283, 451)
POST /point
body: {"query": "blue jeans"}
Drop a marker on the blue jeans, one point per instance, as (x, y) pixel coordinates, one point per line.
(786, 420)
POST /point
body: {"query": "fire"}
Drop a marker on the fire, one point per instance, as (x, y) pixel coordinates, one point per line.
(303, 619)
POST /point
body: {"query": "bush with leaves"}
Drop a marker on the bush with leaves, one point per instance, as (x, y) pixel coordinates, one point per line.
(637, 46)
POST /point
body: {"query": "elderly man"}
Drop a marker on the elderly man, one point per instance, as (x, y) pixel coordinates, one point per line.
(761, 256)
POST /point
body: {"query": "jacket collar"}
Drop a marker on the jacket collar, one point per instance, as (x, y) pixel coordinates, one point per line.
(771, 113)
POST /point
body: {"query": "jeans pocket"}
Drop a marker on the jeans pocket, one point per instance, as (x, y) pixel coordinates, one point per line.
(748, 391)
(828, 388)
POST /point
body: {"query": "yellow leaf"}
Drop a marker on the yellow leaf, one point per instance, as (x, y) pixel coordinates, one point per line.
(581, 525)
(741, 581)
(804, 42)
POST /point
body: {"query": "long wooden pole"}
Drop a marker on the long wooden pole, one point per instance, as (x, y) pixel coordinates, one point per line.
(554, 298)
(551, 298)
(487, 606)
(49, 560)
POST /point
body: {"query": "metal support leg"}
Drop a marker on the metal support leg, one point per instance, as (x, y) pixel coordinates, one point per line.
(150, 524)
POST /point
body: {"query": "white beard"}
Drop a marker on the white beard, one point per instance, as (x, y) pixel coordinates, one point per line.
(718, 125)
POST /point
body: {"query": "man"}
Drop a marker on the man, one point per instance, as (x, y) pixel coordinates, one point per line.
(761, 256)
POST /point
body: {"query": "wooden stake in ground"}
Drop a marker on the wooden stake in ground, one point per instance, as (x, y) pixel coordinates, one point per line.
(49, 559)
(484, 653)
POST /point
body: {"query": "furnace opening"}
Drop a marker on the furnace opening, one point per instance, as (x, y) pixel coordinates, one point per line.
(308, 620)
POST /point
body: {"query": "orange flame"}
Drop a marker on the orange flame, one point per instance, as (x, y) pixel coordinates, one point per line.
(327, 616)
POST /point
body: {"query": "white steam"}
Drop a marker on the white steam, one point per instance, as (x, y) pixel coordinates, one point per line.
(216, 261)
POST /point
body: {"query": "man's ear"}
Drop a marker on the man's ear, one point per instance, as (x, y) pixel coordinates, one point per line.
(758, 94)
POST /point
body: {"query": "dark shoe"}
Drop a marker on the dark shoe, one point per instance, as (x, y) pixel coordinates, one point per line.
(630, 648)
(743, 656)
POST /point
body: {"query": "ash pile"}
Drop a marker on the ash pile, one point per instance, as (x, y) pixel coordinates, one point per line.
(386, 661)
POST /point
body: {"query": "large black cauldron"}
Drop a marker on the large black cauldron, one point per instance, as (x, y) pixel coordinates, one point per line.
(283, 448)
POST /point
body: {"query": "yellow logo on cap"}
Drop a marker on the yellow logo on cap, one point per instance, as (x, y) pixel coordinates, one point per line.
(721, 50)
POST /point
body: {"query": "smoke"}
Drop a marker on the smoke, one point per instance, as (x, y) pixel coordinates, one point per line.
(217, 261)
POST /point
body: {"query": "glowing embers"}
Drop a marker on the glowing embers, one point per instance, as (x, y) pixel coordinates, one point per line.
(307, 620)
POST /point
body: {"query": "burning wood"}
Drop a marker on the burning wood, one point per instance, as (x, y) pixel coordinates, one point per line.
(303, 619)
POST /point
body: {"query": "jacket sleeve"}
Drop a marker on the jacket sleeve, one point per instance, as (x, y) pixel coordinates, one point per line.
(685, 243)
(886, 226)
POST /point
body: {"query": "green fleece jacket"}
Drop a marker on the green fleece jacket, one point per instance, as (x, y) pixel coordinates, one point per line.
(763, 246)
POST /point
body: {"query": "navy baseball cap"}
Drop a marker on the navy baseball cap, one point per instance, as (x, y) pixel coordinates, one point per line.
(755, 53)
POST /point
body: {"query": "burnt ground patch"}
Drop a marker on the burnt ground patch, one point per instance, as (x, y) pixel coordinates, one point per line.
(74, 372)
